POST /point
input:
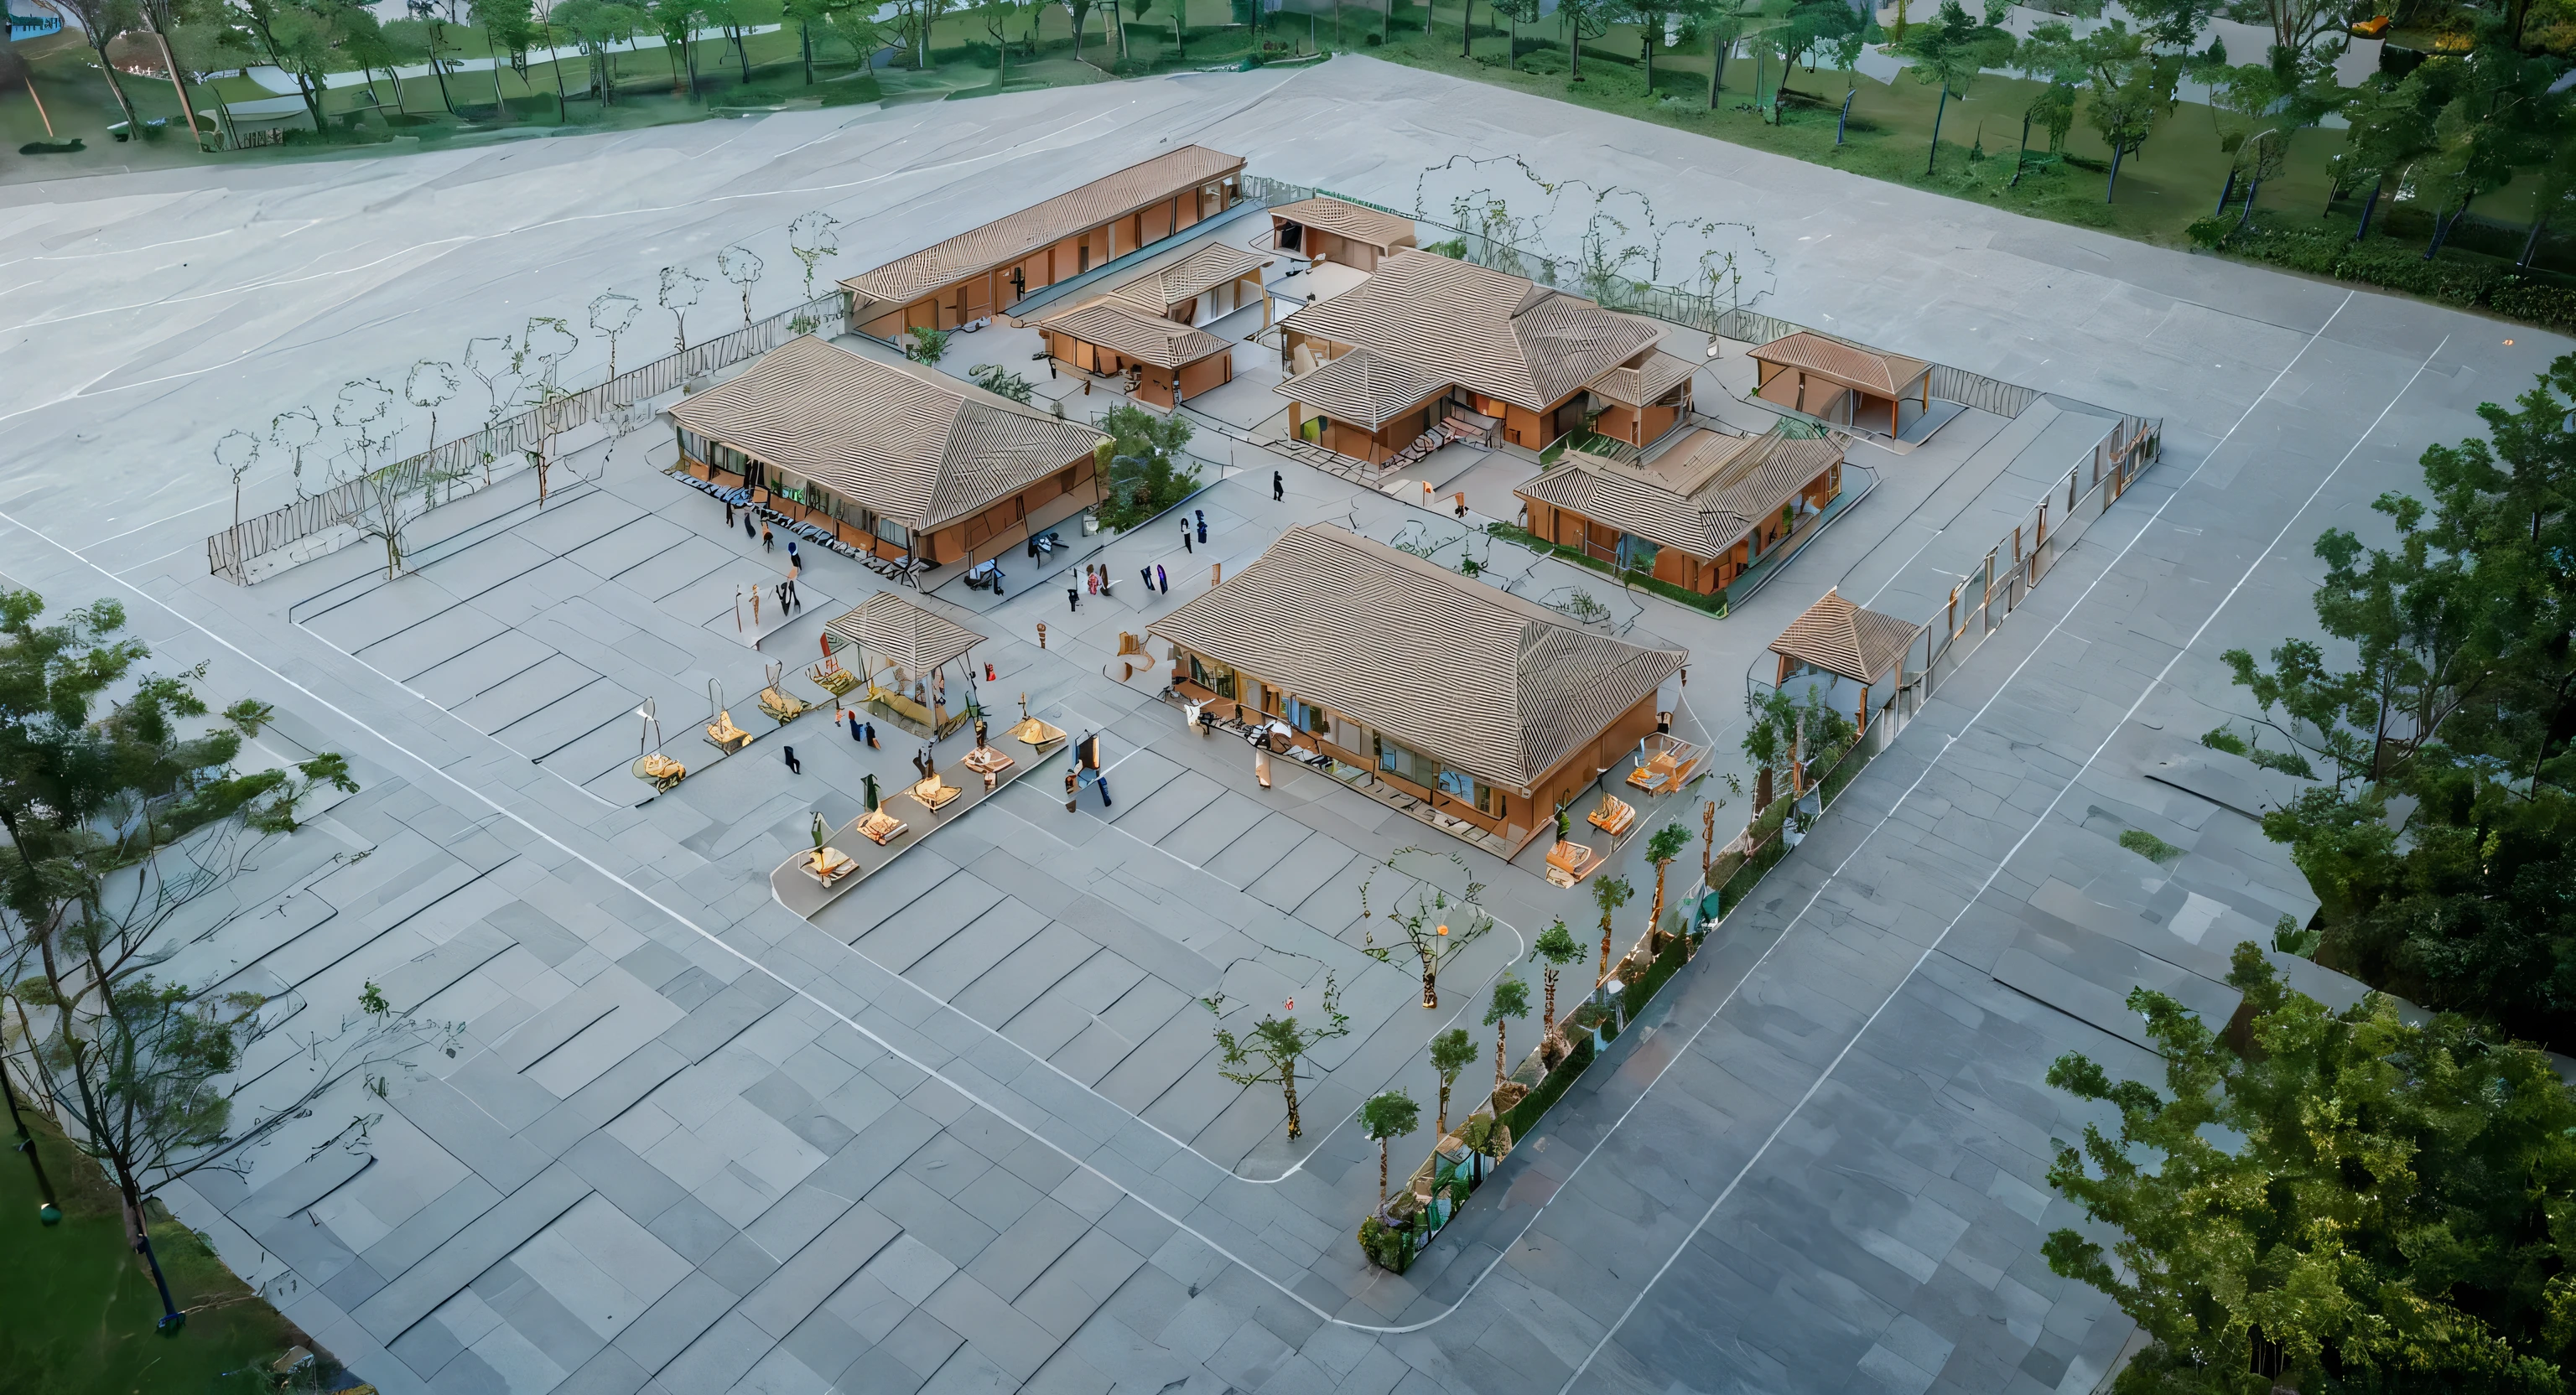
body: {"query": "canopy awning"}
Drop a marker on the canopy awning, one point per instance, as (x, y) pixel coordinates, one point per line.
(889, 629)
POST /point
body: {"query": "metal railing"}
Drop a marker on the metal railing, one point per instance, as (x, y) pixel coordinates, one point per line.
(341, 515)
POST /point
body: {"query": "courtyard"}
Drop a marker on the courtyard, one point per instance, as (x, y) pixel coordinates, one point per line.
(962, 1127)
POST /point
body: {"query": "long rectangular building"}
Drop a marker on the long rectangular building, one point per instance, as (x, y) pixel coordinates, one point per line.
(985, 271)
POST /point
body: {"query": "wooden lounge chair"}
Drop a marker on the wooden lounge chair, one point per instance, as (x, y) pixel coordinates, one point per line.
(1570, 862)
(828, 864)
(660, 771)
(832, 678)
(1665, 764)
(781, 707)
(881, 828)
(724, 735)
(1614, 816)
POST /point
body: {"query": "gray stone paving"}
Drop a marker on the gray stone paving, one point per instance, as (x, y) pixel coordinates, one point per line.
(960, 1131)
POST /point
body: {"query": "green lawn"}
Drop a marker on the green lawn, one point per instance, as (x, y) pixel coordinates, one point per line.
(77, 1308)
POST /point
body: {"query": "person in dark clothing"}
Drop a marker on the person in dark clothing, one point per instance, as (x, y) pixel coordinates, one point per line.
(794, 766)
(748, 530)
(1202, 517)
(1185, 536)
(1162, 580)
(768, 540)
(728, 515)
(1101, 783)
(1148, 574)
(854, 727)
(871, 729)
(1278, 486)
(1073, 598)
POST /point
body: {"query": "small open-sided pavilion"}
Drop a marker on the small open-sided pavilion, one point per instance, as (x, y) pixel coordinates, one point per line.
(1838, 382)
(903, 650)
(1848, 647)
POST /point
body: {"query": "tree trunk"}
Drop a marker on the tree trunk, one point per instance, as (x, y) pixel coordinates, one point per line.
(1655, 921)
(1288, 1087)
(2362, 229)
(2531, 244)
(1646, 54)
(133, 123)
(742, 51)
(1574, 38)
(2226, 191)
(1934, 155)
(1430, 984)
(672, 51)
(1466, 28)
(1499, 1055)
(2442, 228)
(1440, 1125)
(563, 112)
(187, 108)
(438, 67)
(1718, 44)
(1381, 1172)
(500, 105)
(1604, 975)
(1547, 1015)
(1842, 123)
(805, 43)
(2112, 190)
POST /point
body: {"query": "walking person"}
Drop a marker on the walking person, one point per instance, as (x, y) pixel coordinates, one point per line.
(747, 530)
(1185, 536)
(871, 729)
(1202, 517)
(1278, 487)
(1162, 582)
(1148, 574)
(1101, 782)
(728, 515)
(1073, 599)
(794, 766)
(853, 715)
(769, 541)
(792, 559)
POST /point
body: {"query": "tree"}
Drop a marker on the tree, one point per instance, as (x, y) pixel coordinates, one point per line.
(2355, 1202)
(1585, 19)
(811, 237)
(1651, 18)
(1609, 893)
(421, 41)
(1077, 12)
(509, 27)
(120, 824)
(237, 452)
(1139, 466)
(598, 26)
(1387, 1116)
(1787, 736)
(1666, 844)
(1427, 938)
(1951, 51)
(928, 345)
(611, 315)
(1510, 1000)
(1558, 947)
(186, 31)
(727, 15)
(677, 22)
(1724, 24)
(1451, 1052)
(1269, 1053)
(1516, 13)
(101, 21)
(678, 293)
(294, 39)
(2440, 840)
(294, 431)
(743, 267)
(995, 16)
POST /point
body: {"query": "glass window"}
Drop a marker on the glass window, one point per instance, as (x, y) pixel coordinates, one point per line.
(890, 530)
(1306, 716)
(1466, 788)
(1406, 763)
(1216, 678)
(1637, 554)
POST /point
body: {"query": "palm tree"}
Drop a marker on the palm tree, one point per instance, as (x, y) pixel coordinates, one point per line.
(1661, 849)
(1390, 1115)
(1450, 1053)
(1609, 894)
(1511, 999)
(1558, 947)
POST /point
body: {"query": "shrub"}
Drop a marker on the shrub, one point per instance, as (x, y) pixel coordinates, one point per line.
(1388, 1247)
(2150, 847)
(2327, 249)
(1526, 1113)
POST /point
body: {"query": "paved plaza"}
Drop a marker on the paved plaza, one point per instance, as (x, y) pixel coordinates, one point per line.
(963, 1128)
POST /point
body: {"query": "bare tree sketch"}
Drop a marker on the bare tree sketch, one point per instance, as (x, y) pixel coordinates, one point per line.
(237, 452)
(612, 315)
(293, 431)
(679, 292)
(742, 267)
(546, 342)
(812, 237)
(430, 383)
(493, 360)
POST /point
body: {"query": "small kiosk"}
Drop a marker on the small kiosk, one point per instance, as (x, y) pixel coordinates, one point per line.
(903, 656)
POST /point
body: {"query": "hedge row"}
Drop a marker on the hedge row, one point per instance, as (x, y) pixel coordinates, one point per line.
(2327, 250)
(1644, 581)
